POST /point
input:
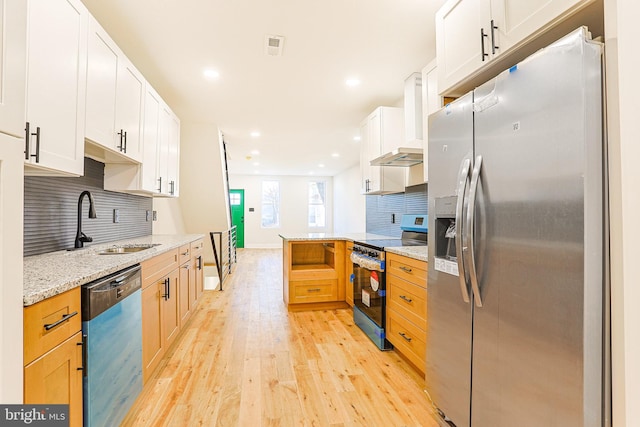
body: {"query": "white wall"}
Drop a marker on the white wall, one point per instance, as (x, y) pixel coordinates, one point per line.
(203, 193)
(294, 196)
(350, 206)
(623, 92)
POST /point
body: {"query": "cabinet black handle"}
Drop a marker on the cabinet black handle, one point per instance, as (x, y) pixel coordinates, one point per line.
(27, 137)
(172, 184)
(37, 135)
(405, 269)
(493, 38)
(482, 36)
(160, 187)
(405, 298)
(120, 134)
(199, 262)
(403, 335)
(125, 142)
(166, 289)
(64, 318)
(83, 343)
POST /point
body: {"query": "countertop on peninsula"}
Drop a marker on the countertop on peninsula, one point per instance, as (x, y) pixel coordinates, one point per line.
(335, 236)
(416, 252)
(53, 273)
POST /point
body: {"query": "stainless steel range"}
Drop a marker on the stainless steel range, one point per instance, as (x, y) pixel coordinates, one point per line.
(369, 282)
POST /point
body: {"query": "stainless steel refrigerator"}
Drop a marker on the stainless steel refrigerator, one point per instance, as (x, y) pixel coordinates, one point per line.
(516, 321)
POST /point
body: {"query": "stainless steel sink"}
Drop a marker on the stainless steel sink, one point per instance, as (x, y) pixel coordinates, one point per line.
(117, 250)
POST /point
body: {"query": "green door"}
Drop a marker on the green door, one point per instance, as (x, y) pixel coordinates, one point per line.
(236, 198)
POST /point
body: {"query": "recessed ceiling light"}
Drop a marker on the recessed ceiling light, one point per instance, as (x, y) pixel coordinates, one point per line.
(352, 82)
(256, 164)
(255, 152)
(356, 138)
(335, 155)
(255, 134)
(320, 165)
(211, 73)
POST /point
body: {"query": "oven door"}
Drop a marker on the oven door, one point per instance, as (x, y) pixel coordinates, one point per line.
(369, 290)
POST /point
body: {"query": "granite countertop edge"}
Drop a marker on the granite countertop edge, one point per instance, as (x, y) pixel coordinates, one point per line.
(416, 252)
(53, 273)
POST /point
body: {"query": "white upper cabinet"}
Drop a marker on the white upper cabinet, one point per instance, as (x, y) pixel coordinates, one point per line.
(380, 133)
(431, 102)
(473, 33)
(158, 172)
(13, 39)
(115, 93)
(56, 84)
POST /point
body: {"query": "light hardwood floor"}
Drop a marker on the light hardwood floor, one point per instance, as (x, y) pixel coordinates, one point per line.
(243, 360)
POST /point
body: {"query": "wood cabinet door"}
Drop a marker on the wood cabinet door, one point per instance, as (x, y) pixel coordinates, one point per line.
(152, 342)
(348, 272)
(56, 378)
(459, 43)
(56, 84)
(13, 20)
(198, 275)
(184, 294)
(171, 310)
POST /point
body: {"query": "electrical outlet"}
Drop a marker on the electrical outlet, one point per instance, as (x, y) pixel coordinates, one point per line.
(116, 215)
(155, 215)
(147, 216)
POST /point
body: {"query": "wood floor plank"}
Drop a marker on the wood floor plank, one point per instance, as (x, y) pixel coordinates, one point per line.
(244, 360)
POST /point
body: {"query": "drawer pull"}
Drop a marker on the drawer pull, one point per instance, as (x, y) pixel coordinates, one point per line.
(405, 298)
(314, 290)
(64, 318)
(403, 335)
(185, 253)
(405, 269)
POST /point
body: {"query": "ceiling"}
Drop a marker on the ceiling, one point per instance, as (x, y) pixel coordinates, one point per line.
(299, 103)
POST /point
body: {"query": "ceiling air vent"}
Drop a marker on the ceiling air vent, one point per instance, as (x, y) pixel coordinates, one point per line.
(274, 45)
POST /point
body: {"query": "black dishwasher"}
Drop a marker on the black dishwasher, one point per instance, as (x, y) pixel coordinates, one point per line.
(112, 330)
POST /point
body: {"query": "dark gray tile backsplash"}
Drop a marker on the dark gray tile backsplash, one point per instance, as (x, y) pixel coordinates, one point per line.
(381, 209)
(51, 211)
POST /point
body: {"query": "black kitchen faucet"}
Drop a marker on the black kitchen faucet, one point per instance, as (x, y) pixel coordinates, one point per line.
(80, 236)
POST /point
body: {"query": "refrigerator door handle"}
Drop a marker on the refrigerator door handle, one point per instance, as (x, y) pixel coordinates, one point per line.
(471, 214)
(462, 187)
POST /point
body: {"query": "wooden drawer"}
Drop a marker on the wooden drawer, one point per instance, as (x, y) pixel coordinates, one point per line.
(407, 299)
(45, 326)
(197, 247)
(304, 291)
(158, 267)
(407, 338)
(184, 254)
(409, 269)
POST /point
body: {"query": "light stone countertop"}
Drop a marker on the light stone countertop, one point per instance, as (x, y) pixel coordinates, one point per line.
(415, 252)
(335, 236)
(53, 273)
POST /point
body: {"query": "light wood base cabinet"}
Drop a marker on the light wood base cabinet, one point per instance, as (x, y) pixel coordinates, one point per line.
(407, 307)
(314, 274)
(53, 353)
(171, 285)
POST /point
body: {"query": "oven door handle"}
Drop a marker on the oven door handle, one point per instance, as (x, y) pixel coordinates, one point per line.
(367, 262)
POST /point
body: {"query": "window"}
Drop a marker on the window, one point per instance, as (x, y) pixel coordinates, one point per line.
(270, 204)
(235, 199)
(317, 208)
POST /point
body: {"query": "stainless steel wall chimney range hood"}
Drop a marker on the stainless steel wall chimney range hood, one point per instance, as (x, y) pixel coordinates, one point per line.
(409, 152)
(402, 156)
